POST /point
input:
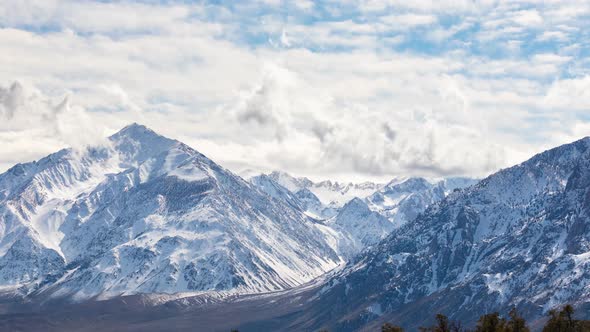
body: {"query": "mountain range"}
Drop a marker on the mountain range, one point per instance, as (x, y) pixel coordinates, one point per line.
(146, 214)
(162, 235)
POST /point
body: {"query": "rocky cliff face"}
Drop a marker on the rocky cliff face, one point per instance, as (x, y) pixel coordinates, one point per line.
(518, 238)
(146, 214)
(124, 219)
(403, 201)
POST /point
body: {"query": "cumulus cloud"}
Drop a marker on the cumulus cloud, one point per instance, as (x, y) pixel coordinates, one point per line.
(407, 21)
(429, 139)
(11, 99)
(281, 104)
(569, 94)
(33, 124)
(363, 89)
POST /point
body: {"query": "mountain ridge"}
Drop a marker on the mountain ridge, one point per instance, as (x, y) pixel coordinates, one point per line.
(470, 253)
(518, 238)
(148, 214)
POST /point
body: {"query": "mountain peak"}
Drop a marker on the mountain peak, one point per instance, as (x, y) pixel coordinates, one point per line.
(138, 143)
(290, 182)
(135, 125)
(136, 131)
(148, 214)
(356, 203)
(410, 184)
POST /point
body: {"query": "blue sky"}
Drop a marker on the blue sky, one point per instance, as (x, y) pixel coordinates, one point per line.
(328, 89)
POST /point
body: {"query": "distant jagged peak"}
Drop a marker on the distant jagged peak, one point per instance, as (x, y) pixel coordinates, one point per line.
(306, 193)
(304, 182)
(140, 133)
(409, 184)
(355, 203)
(248, 174)
(290, 182)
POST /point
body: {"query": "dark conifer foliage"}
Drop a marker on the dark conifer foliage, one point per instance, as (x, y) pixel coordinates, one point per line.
(387, 327)
(491, 323)
(443, 324)
(559, 321)
(516, 322)
(564, 321)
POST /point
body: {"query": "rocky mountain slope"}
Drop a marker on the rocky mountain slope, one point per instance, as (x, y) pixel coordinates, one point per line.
(403, 201)
(520, 237)
(361, 222)
(350, 229)
(147, 214)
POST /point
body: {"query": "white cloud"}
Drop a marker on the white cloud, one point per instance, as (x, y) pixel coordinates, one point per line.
(527, 18)
(569, 94)
(304, 4)
(33, 124)
(550, 35)
(408, 21)
(308, 107)
(285, 39)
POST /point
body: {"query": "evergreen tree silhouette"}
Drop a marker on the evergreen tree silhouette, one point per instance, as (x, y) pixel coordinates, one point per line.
(491, 323)
(564, 321)
(516, 323)
(387, 327)
(442, 325)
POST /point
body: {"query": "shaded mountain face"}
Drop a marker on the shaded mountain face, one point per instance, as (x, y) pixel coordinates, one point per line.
(403, 201)
(360, 223)
(519, 238)
(313, 206)
(147, 214)
(302, 199)
(360, 228)
(351, 229)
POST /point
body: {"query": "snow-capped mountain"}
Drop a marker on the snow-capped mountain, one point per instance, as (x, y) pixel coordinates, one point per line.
(147, 214)
(331, 194)
(303, 199)
(348, 230)
(313, 206)
(276, 191)
(359, 228)
(521, 237)
(518, 238)
(360, 223)
(404, 201)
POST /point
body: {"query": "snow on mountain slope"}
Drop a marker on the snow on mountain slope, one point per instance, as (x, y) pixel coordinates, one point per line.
(456, 183)
(401, 200)
(521, 237)
(361, 223)
(359, 227)
(349, 230)
(147, 214)
(313, 206)
(276, 191)
(302, 199)
(290, 182)
(404, 201)
(331, 194)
